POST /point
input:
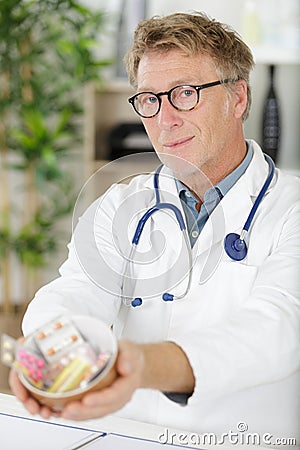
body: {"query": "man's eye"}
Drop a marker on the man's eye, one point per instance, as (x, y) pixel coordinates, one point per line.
(151, 100)
(187, 92)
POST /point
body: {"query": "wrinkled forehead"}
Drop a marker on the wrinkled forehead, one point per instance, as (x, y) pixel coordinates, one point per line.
(174, 67)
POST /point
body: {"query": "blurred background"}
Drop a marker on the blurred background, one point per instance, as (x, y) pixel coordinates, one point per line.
(64, 115)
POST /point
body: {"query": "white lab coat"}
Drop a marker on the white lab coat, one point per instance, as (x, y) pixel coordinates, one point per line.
(239, 323)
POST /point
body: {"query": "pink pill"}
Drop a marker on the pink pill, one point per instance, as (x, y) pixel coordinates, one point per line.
(39, 375)
(31, 358)
(40, 363)
(22, 353)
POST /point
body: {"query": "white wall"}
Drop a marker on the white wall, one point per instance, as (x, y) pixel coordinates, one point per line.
(226, 11)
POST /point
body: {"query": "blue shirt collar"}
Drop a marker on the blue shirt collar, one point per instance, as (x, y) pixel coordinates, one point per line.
(221, 188)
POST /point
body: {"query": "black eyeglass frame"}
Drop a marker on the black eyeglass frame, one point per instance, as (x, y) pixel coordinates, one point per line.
(198, 88)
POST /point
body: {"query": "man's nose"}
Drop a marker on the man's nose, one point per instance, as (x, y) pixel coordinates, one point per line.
(168, 116)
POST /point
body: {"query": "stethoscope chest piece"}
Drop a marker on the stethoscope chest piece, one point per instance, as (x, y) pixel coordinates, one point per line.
(234, 244)
(235, 247)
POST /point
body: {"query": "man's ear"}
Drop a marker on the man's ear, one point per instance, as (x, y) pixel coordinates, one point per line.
(240, 98)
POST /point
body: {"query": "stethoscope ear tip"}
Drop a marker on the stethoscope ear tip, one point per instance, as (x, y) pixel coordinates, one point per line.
(136, 302)
(235, 247)
(167, 297)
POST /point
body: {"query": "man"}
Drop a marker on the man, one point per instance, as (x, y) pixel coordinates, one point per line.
(228, 351)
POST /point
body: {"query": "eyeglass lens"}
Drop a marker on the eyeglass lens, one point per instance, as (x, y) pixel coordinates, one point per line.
(183, 98)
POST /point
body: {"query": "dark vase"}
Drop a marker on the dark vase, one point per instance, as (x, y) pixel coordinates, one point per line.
(271, 119)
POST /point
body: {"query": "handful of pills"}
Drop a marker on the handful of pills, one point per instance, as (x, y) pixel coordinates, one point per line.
(56, 359)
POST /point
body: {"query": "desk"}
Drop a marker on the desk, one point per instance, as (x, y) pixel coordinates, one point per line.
(109, 424)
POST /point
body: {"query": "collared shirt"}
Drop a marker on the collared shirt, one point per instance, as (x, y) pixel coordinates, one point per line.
(196, 219)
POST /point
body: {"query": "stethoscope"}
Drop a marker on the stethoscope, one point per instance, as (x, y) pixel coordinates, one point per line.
(234, 244)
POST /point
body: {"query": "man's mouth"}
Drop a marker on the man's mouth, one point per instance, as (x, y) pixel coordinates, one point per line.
(177, 143)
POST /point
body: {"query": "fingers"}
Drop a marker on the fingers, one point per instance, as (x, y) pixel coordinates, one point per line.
(118, 393)
(46, 412)
(114, 397)
(16, 386)
(22, 394)
(101, 403)
(95, 404)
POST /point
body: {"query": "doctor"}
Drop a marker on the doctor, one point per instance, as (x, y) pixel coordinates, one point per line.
(226, 349)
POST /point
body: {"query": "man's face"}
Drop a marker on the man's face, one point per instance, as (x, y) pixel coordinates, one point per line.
(201, 137)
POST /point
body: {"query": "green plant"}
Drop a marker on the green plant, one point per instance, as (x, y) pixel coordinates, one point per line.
(46, 57)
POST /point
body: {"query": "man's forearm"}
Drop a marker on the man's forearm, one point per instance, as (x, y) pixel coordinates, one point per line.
(166, 368)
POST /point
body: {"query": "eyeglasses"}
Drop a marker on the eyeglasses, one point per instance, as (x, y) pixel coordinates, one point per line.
(182, 98)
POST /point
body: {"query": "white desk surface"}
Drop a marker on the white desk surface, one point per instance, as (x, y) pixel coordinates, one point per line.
(109, 424)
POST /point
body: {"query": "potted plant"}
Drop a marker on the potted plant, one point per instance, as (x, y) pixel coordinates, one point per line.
(46, 58)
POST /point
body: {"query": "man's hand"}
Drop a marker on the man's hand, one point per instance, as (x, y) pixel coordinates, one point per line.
(22, 394)
(130, 366)
(162, 366)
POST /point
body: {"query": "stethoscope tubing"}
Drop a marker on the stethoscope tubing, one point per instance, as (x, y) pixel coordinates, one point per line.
(261, 193)
(234, 244)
